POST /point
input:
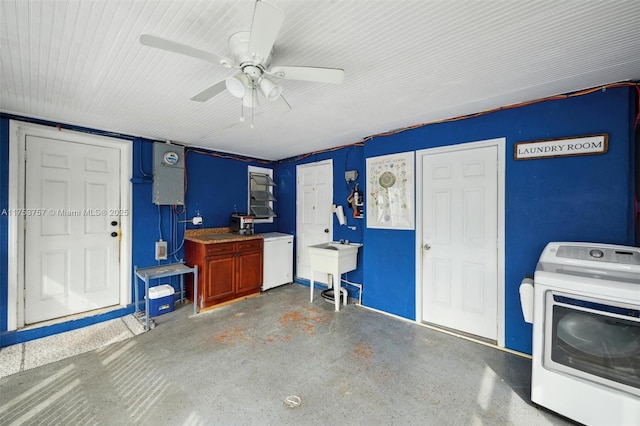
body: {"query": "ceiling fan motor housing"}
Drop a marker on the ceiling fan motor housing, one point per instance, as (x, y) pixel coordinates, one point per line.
(253, 71)
(239, 44)
(251, 53)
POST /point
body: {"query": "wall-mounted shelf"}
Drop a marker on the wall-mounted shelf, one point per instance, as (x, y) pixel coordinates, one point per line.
(261, 195)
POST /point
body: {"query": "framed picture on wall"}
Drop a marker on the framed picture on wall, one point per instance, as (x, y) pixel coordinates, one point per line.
(390, 191)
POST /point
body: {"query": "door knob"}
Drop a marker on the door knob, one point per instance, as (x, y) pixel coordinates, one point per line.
(326, 231)
(114, 234)
(426, 247)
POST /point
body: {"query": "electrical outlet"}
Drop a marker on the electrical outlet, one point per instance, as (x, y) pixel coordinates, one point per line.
(351, 175)
(161, 250)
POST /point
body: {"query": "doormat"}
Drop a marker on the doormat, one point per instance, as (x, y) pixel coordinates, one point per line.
(38, 352)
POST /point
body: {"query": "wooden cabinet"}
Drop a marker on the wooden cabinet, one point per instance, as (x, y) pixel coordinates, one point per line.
(228, 270)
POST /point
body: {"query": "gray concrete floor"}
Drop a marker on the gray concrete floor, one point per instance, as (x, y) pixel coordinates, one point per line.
(236, 365)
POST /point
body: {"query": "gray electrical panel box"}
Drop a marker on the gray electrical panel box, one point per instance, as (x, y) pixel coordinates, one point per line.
(168, 174)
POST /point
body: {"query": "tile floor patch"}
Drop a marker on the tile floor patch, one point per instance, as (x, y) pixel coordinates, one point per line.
(11, 359)
(24, 356)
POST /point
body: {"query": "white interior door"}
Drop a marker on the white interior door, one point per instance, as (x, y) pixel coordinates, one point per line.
(72, 201)
(460, 240)
(314, 195)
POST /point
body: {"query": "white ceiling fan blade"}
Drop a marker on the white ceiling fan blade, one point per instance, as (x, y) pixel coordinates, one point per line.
(280, 104)
(210, 92)
(183, 49)
(267, 20)
(321, 75)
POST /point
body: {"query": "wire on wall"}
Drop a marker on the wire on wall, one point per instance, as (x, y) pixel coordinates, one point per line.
(303, 156)
(60, 126)
(637, 121)
(519, 105)
(227, 156)
(140, 168)
(478, 114)
(159, 223)
(175, 224)
(215, 154)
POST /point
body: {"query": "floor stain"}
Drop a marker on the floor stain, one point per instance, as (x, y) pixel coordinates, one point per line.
(382, 377)
(304, 320)
(362, 354)
(233, 336)
(431, 398)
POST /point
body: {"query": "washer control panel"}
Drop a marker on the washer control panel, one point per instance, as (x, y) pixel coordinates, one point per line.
(604, 253)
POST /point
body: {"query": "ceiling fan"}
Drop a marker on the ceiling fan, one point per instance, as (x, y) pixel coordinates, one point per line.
(251, 54)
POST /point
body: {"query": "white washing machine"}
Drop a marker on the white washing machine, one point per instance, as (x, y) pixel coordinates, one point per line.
(586, 332)
(277, 268)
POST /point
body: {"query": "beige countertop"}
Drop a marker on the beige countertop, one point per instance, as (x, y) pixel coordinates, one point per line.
(216, 235)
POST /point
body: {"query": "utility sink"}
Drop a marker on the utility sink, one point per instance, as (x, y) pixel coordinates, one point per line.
(333, 258)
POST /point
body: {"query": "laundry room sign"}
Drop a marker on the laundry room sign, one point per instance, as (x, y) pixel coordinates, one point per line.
(564, 147)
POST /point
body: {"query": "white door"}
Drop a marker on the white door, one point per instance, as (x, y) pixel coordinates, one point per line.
(460, 240)
(314, 195)
(72, 201)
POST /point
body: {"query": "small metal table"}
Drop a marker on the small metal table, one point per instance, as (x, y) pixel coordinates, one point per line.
(163, 271)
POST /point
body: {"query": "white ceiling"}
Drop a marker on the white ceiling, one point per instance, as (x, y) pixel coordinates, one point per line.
(406, 62)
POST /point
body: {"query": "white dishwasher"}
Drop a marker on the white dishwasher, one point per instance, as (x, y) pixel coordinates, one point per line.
(278, 260)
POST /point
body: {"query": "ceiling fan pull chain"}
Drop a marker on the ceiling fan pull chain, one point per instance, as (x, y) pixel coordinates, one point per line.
(251, 53)
(253, 93)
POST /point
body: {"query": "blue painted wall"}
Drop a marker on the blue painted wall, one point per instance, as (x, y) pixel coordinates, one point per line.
(587, 198)
(347, 158)
(216, 186)
(4, 204)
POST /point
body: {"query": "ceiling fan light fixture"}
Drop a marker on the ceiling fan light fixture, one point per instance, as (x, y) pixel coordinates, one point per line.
(237, 84)
(251, 53)
(269, 89)
(250, 98)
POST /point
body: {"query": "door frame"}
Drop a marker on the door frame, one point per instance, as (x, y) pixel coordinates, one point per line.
(500, 144)
(18, 131)
(328, 162)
